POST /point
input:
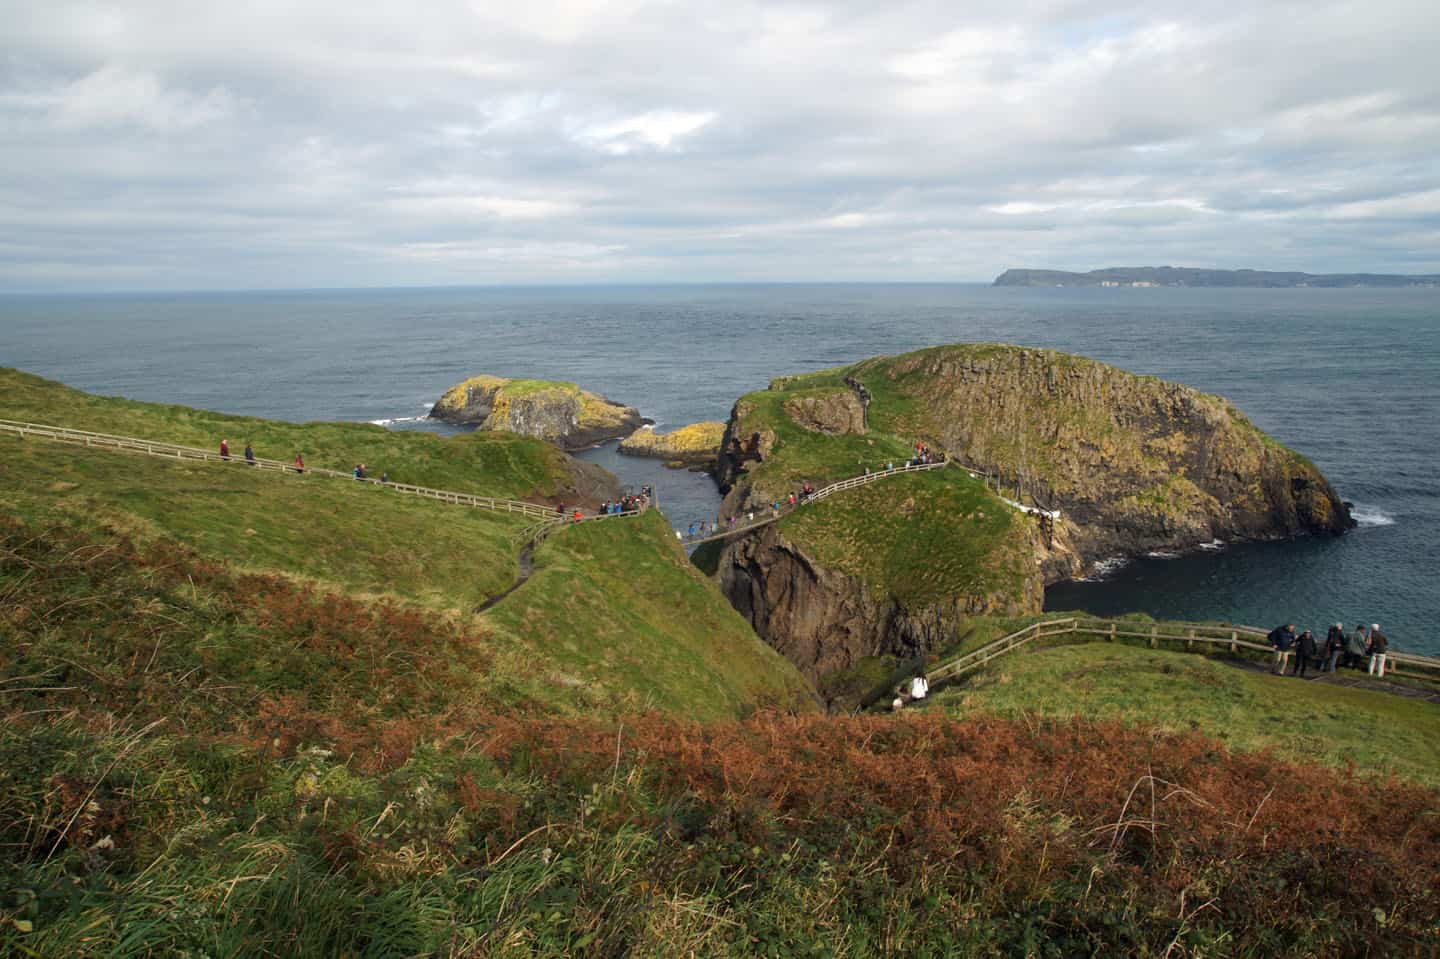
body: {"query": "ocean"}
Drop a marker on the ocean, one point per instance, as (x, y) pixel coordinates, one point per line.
(1349, 377)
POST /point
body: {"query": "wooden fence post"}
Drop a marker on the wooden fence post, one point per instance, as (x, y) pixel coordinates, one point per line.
(1234, 646)
(1154, 640)
(1112, 631)
(1190, 638)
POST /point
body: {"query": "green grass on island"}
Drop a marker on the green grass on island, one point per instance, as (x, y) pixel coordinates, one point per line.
(1377, 733)
(920, 537)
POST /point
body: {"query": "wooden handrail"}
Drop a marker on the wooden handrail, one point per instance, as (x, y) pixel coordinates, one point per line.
(65, 434)
(1153, 633)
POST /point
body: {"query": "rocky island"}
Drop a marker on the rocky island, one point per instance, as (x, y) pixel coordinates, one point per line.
(556, 412)
(696, 446)
(1143, 276)
(1129, 463)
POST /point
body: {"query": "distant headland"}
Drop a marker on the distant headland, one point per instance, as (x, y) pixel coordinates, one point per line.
(1143, 276)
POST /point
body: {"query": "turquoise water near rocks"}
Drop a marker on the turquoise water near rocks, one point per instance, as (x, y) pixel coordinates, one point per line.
(1351, 378)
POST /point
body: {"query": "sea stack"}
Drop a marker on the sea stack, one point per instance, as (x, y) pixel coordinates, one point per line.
(557, 412)
(695, 447)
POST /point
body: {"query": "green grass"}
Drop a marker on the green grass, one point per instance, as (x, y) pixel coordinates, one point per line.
(354, 536)
(919, 537)
(612, 619)
(618, 604)
(489, 463)
(1302, 721)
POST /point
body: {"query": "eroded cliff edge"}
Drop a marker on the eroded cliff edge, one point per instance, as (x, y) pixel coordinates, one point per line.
(559, 413)
(1131, 463)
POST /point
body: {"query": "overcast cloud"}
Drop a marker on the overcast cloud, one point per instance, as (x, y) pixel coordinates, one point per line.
(186, 144)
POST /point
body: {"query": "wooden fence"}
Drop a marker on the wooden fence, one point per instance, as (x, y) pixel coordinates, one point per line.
(1191, 637)
(172, 451)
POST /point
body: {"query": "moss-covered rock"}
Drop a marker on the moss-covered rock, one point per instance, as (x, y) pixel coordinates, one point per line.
(696, 446)
(559, 413)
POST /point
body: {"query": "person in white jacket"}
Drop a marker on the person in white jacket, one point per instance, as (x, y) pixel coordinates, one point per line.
(919, 687)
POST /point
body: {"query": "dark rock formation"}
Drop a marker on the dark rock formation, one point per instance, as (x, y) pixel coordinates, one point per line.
(823, 620)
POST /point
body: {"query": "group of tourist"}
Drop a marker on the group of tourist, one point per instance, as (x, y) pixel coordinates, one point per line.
(1359, 649)
(298, 464)
(629, 503)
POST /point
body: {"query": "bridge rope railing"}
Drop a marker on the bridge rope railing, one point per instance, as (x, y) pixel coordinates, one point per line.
(546, 515)
(1192, 637)
(770, 515)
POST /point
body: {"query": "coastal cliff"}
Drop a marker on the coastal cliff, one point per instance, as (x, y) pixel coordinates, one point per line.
(559, 413)
(1131, 464)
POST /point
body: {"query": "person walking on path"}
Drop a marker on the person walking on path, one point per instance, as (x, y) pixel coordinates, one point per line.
(249, 453)
(299, 463)
(1305, 652)
(919, 687)
(1282, 638)
(1356, 647)
(224, 449)
(1334, 648)
(1379, 646)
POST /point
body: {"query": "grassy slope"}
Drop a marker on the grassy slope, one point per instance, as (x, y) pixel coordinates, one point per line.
(1302, 721)
(493, 464)
(357, 537)
(367, 541)
(921, 537)
(607, 602)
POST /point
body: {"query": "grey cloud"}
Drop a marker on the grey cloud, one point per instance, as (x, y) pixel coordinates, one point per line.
(166, 144)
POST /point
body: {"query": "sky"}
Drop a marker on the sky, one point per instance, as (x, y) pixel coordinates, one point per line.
(188, 144)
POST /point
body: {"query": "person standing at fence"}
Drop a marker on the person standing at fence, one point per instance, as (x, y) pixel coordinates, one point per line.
(299, 463)
(1304, 652)
(1282, 638)
(249, 453)
(1356, 647)
(1334, 648)
(224, 449)
(1379, 647)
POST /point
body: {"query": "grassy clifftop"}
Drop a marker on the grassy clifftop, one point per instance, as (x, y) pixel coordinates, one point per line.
(368, 542)
(491, 464)
(920, 538)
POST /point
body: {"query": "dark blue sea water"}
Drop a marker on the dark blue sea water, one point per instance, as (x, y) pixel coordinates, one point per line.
(1349, 377)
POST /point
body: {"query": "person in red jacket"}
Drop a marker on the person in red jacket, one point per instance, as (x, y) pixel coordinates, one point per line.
(299, 463)
(224, 449)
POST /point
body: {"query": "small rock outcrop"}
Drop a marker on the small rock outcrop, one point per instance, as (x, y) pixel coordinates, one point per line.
(695, 446)
(559, 413)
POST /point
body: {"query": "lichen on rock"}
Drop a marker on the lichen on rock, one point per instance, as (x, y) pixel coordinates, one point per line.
(557, 412)
(696, 445)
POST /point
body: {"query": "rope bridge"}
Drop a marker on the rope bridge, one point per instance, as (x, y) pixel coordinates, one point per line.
(772, 516)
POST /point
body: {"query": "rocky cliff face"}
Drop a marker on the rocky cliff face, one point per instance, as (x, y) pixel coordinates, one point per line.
(559, 413)
(824, 620)
(1133, 463)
